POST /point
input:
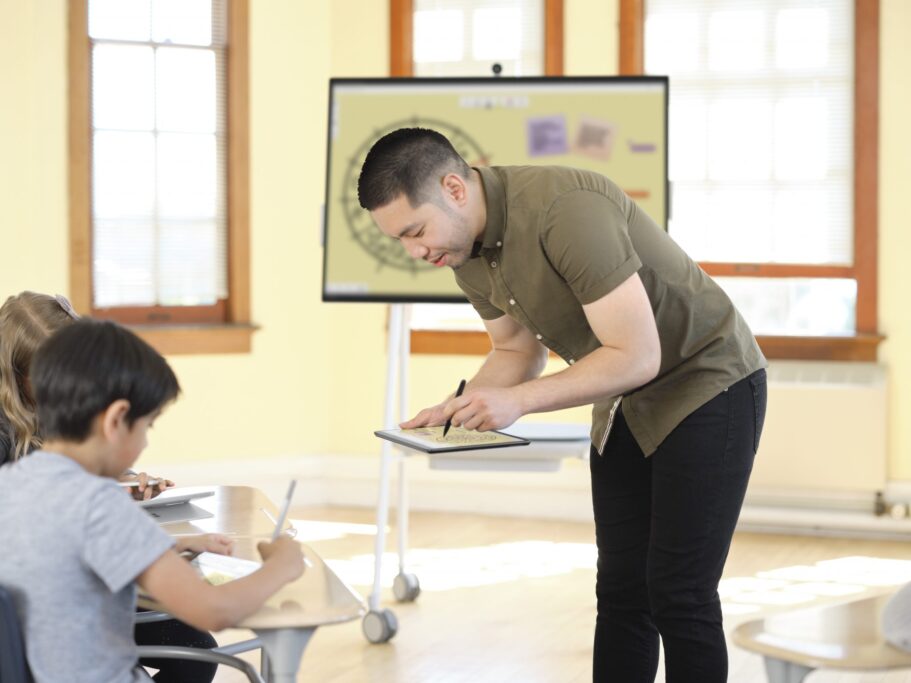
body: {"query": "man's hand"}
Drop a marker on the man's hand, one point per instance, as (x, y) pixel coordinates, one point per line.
(206, 543)
(144, 491)
(429, 417)
(485, 408)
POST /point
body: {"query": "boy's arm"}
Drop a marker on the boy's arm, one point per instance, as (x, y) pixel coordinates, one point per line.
(172, 582)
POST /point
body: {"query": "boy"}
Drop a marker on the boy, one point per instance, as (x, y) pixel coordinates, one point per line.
(75, 545)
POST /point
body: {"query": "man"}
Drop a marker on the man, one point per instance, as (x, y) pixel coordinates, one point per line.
(561, 258)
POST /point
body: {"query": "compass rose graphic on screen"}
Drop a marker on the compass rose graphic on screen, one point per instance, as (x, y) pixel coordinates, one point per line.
(386, 251)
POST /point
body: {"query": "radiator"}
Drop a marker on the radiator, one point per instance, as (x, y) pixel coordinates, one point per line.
(824, 441)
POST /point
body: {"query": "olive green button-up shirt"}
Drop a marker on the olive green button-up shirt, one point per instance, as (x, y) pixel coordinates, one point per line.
(558, 238)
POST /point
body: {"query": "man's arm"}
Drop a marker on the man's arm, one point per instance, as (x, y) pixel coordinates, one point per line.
(517, 357)
(171, 581)
(630, 356)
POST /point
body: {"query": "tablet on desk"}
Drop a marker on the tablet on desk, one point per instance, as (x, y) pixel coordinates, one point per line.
(172, 507)
(174, 498)
(431, 439)
(218, 569)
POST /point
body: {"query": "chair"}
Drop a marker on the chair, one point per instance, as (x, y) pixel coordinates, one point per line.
(14, 666)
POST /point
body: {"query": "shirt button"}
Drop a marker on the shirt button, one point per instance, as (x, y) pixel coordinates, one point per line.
(512, 302)
(499, 244)
(493, 264)
(538, 337)
(572, 361)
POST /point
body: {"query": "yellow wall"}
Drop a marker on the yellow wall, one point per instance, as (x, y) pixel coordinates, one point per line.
(272, 401)
(315, 380)
(894, 233)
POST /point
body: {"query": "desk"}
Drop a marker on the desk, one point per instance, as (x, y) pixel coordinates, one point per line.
(842, 636)
(550, 443)
(288, 619)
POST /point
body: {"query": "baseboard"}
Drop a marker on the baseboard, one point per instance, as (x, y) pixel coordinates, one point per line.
(565, 494)
(353, 480)
(269, 475)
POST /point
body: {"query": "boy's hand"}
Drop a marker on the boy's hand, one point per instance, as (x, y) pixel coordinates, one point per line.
(283, 552)
(206, 543)
(144, 491)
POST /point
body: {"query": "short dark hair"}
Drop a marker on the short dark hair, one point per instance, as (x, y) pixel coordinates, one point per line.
(407, 161)
(86, 366)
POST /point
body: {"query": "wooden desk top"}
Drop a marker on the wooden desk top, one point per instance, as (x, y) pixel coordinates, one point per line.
(318, 597)
(843, 636)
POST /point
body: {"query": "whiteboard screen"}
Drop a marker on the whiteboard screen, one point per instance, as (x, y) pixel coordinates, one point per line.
(613, 125)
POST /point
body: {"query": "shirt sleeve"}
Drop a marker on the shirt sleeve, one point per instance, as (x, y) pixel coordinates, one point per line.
(586, 238)
(121, 540)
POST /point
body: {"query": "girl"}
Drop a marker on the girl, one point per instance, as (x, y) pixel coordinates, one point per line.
(26, 320)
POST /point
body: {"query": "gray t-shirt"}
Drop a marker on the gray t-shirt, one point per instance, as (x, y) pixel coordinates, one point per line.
(73, 544)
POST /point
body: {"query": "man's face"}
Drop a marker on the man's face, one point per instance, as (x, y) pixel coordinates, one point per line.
(439, 234)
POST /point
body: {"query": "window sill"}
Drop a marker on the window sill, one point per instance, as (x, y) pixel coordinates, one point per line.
(172, 340)
(861, 347)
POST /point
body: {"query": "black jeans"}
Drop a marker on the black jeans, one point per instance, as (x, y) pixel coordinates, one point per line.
(664, 526)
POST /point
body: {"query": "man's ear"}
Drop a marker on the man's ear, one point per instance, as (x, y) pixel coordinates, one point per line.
(114, 417)
(455, 188)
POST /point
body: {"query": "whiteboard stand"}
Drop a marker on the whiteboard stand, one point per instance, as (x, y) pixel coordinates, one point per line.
(550, 443)
(380, 625)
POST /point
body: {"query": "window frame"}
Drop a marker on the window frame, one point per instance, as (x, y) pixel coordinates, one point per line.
(225, 326)
(864, 343)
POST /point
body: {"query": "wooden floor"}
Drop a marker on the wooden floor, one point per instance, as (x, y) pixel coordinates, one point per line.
(513, 600)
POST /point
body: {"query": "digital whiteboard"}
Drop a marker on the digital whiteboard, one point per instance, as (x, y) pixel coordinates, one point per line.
(616, 126)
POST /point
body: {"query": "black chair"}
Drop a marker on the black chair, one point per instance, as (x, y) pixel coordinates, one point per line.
(14, 666)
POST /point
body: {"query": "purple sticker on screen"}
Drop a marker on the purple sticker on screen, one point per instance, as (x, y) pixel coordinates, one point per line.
(641, 147)
(547, 135)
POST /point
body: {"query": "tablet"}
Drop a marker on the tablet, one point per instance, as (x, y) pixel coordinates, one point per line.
(174, 498)
(431, 439)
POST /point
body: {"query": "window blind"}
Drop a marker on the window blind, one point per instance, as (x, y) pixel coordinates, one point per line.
(159, 152)
(761, 126)
(466, 37)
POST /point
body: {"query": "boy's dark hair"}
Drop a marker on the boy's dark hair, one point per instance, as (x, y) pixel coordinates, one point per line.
(407, 161)
(86, 366)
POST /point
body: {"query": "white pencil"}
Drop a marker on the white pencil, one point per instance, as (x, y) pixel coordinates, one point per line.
(284, 512)
(133, 484)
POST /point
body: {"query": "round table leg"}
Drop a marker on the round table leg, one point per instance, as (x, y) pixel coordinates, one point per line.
(284, 647)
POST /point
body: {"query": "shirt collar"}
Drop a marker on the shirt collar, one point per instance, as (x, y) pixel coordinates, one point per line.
(495, 199)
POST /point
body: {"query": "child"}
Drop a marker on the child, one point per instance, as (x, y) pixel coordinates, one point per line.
(80, 545)
(26, 320)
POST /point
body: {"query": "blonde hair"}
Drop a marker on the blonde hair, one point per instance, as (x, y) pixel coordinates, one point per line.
(26, 320)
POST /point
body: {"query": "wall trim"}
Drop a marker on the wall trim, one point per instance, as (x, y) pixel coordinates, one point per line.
(352, 480)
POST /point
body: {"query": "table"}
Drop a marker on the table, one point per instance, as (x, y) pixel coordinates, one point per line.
(550, 444)
(841, 636)
(289, 618)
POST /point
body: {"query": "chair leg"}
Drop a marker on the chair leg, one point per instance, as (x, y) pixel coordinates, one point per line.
(780, 671)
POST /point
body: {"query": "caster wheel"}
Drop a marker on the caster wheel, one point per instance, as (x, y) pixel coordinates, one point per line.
(406, 587)
(380, 627)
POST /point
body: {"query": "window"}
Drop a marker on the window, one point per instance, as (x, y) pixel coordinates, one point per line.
(158, 214)
(773, 158)
(465, 38)
(805, 302)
